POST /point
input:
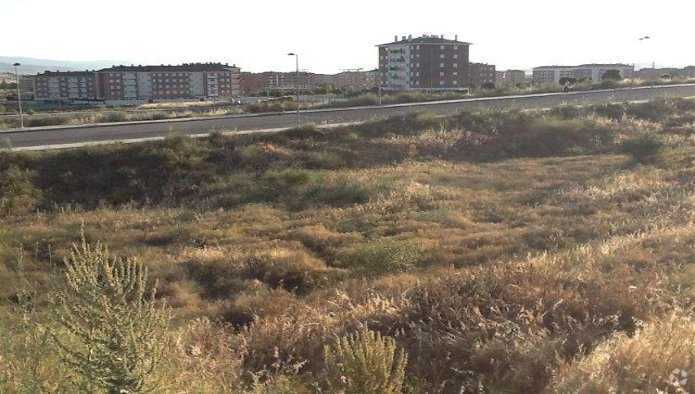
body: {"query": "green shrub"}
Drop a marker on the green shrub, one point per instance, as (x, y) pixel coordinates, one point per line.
(534, 138)
(615, 112)
(113, 333)
(382, 257)
(655, 110)
(47, 121)
(567, 112)
(18, 194)
(112, 117)
(337, 193)
(365, 363)
(644, 148)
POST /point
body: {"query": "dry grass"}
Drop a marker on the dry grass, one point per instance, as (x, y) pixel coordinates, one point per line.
(515, 267)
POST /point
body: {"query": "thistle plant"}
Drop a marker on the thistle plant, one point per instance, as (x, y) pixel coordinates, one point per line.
(113, 332)
(364, 363)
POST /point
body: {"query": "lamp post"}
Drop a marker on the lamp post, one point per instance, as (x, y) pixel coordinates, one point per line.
(19, 95)
(648, 38)
(296, 83)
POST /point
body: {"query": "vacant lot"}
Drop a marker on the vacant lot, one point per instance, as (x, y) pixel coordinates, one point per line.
(503, 252)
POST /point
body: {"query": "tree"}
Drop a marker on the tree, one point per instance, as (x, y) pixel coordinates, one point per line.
(564, 81)
(113, 332)
(488, 86)
(612, 75)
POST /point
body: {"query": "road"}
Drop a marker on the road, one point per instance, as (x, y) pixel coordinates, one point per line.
(70, 136)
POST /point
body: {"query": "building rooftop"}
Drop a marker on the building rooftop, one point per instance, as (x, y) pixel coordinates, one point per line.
(178, 67)
(66, 73)
(426, 39)
(585, 65)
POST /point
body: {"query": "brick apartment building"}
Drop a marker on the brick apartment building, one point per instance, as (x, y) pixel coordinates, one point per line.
(259, 83)
(551, 75)
(65, 85)
(424, 63)
(140, 83)
(482, 75)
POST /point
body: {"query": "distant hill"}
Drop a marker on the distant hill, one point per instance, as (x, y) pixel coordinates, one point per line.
(34, 65)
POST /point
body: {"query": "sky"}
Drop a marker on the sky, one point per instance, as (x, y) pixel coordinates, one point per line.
(331, 36)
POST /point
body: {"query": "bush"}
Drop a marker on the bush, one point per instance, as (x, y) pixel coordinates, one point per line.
(363, 363)
(292, 270)
(615, 112)
(644, 148)
(113, 117)
(658, 359)
(655, 110)
(47, 121)
(534, 138)
(338, 193)
(17, 191)
(113, 334)
(567, 112)
(381, 257)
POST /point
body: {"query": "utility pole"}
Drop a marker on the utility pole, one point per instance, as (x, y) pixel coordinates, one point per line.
(19, 95)
(296, 84)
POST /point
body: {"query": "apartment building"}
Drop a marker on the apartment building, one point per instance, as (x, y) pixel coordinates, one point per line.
(658, 73)
(482, 75)
(141, 83)
(257, 83)
(551, 75)
(511, 77)
(65, 85)
(424, 63)
(354, 80)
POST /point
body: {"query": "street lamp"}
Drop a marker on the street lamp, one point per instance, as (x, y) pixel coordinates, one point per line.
(19, 95)
(648, 38)
(296, 84)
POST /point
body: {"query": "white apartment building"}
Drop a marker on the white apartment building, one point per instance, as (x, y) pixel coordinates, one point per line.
(551, 75)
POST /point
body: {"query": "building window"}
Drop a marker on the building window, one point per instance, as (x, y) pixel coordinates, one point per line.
(441, 56)
(456, 47)
(456, 65)
(441, 65)
(456, 56)
(441, 47)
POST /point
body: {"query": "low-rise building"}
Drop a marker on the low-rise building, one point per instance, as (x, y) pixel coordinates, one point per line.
(258, 83)
(552, 75)
(511, 77)
(651, 74)
(140, 83)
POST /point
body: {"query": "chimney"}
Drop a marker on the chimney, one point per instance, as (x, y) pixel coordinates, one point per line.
(403, 37)
(410, 36)
(395, 38)
(442, 36)
(456, 37)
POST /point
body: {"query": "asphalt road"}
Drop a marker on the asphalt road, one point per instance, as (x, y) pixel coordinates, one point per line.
(61, 136)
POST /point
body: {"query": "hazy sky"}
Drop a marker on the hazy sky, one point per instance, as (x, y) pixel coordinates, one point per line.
(335, 35)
